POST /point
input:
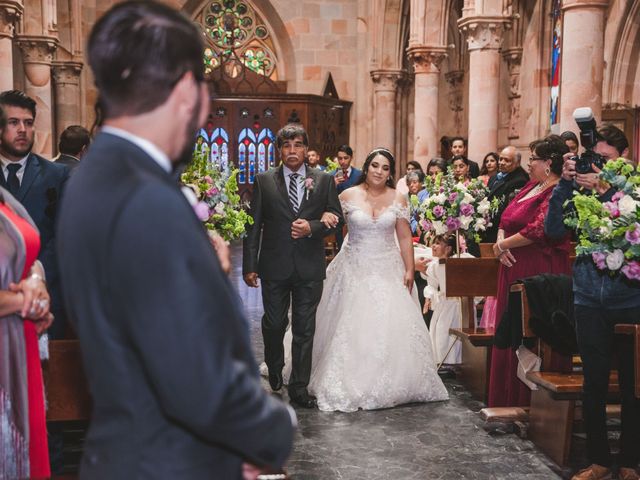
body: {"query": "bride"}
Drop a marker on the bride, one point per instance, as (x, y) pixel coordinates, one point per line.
(371, 347)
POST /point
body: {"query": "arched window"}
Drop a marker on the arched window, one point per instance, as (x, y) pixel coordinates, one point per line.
(236, 35)
(220, 148)
(246, 156)
(202, 146)
(266, 150)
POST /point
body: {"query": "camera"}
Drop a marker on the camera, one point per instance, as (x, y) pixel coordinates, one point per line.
(588, 139)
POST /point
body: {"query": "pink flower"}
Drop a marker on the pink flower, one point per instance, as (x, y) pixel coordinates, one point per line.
(208, 179)
(309, 184)
(202, 211)
(617, 196)
(425, 225)
(452, 223)
(599, 259)
(453, 196)
(633, 236)
(632, 270)
(211, 192)
(612, 208)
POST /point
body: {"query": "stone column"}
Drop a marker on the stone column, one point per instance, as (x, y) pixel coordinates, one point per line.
(385, 86)
(484, 36)
(513, 57)
(582, 59)
(10, 13)
(426, 62)
(66, 79)
(37, 52)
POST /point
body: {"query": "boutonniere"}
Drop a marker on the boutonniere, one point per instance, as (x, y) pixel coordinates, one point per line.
(309, 185)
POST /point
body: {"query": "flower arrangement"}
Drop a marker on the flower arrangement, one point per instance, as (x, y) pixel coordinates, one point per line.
(455, 206)
(219, 206)
(332, 165)
(610, 231)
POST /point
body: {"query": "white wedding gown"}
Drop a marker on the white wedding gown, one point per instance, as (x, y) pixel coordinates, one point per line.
(371, 348)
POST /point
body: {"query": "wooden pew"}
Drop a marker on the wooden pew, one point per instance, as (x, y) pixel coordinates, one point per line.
(634, 330)
(66, 389)
(468, 278)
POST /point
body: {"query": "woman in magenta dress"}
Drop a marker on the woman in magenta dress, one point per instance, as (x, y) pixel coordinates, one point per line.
(524, 251)
(24, 313)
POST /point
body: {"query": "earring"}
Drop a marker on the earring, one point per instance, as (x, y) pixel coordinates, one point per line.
(547, 171)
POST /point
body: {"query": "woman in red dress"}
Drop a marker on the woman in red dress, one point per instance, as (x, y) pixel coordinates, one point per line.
(24, 313)
(524, 251)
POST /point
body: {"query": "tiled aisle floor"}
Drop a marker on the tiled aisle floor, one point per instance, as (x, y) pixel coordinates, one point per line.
(421, 441)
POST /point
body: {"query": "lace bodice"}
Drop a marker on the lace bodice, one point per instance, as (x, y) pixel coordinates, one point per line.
(372, 233)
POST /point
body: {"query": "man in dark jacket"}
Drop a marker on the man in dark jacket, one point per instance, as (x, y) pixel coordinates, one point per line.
(509, 180)
(600, 302)
(74, 141)
(165, 345)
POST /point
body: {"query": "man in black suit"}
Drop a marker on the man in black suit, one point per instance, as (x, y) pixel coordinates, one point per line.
(165, 346)
(74, 141)
(37, 183)
(510, 178)
(459, 147)
(287, 206)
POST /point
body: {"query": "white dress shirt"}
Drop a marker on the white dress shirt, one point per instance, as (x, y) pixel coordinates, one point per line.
(20, 173)
(149, 148)
(302, 172)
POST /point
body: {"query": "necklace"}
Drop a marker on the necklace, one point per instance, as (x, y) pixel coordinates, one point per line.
(539, 188)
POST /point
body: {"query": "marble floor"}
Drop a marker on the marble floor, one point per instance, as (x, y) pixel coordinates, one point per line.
(419, 441)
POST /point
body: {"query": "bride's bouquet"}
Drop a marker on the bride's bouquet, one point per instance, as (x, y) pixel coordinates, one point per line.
(218, 204)
(610, 231)
(452, 205)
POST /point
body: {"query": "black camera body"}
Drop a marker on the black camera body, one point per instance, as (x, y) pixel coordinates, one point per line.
(588, 139)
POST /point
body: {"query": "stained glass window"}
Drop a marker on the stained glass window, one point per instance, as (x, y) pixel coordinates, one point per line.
(266, 139)
(220, 148)
(556, 56)
(235, 34)
(247, 156)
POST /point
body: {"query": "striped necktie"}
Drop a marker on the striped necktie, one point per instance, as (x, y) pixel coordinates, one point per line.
(293, 191)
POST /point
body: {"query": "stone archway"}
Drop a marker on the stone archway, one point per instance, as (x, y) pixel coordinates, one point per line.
(620, 84)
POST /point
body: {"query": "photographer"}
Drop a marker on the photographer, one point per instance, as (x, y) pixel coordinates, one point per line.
(601, 301)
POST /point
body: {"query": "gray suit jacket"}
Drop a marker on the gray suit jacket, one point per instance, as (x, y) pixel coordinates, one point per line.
(269, 249)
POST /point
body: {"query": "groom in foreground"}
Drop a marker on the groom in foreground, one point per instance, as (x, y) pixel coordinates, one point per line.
(176, 392)
(287, 205)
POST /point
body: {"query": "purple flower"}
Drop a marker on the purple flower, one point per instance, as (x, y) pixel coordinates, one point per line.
(600, 260)
(202, 211)
(452, 223)
(211, 192)
(425, 225)
(453, 196)
(438, 211)
(633, 236)
(632, 270)
(466, 209)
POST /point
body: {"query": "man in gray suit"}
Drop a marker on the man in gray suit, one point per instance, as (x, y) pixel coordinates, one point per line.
(165, 346)
(287, 206)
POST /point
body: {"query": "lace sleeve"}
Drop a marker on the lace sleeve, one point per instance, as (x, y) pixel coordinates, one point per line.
(534, 230)
(403, 212)
(347, 207)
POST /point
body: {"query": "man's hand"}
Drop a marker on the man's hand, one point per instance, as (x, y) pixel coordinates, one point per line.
(329, 219)
(568, 167)
(300, 229)
(251, 279)
(592, 181)
(421, 264)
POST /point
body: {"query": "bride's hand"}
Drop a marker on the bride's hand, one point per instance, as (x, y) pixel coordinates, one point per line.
(329, 219)
(408, 280)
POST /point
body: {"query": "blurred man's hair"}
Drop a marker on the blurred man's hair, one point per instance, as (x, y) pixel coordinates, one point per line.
(73, 139)
(138, 51)
(614, 137)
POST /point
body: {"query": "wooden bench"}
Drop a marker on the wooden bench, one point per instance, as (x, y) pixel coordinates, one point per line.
(468, 278)
(66, 389)
(634, 330)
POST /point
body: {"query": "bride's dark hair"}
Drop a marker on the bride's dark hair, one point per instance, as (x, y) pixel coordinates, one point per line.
(373, 154)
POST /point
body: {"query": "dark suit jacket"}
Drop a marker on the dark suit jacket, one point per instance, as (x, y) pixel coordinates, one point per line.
(504, 190)
(349, 182)
(165, 345)
(68, 160)
(278, 256)
(40, 193)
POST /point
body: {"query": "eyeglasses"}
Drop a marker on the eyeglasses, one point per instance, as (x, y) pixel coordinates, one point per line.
(531, 159)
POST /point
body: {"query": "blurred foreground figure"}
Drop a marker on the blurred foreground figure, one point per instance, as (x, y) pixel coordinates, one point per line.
(165, 346)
